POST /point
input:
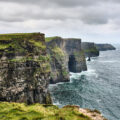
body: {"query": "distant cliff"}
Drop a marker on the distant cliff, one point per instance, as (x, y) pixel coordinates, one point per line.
(104, 47)
(24, 68)
(66, 56)
(90, 49)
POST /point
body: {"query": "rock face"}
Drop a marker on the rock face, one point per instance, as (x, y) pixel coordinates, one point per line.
(105, 47)
(58, 60)
(66, 55)
(93, 114)
(76, 56)
(90, 49)
(24, 68)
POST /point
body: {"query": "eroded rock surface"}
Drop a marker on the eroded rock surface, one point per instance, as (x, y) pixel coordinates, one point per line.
(104, 47)
(24, 68)
(90, 49)
(93, 114)
(66, 56)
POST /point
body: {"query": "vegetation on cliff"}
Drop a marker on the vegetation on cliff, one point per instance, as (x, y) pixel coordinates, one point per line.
(57, 59)
(12, 36)
(48, 39)
(21, 111)
(90, 49)
(22, 44)
(25, 68)
(105, 47)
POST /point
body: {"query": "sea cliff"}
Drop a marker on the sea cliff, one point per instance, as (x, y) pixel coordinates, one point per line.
(105, 47)
(66, 56)
(24, 68)
(28, 64)
(90, 49)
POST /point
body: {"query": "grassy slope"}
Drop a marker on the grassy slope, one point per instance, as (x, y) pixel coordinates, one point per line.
(20, 111)
(48, 39)
(16, 35)
(17, 39)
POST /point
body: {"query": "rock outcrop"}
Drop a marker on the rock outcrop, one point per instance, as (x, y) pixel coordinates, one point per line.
(58, 60)
(66, 56)
(90, 49)
(24, 68)
(93, 114)
(76, 56)
(105, 47)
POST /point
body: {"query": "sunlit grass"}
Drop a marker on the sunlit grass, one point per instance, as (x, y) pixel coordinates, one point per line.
(21, 111)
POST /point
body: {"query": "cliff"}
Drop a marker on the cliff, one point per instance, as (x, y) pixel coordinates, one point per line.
(24, 68)
(105, 47)
(27, 66)
(66, 56)
(90, 49)
(17, 111)
(58, 60)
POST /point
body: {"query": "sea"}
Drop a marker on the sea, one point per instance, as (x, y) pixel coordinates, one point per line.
(97, 88)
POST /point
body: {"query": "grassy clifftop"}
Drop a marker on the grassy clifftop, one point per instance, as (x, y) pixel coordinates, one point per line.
(18, 40)
(20, 111)
(48, 39)
(27, 45)
(16, 35)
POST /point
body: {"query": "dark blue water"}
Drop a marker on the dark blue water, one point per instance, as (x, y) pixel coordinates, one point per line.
(97, 88)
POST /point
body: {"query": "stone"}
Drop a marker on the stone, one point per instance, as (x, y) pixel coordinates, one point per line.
(22, 74)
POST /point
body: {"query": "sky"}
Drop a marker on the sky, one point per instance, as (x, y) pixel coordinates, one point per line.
(91, 20)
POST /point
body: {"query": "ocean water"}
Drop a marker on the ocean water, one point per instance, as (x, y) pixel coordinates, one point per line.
(97, 88)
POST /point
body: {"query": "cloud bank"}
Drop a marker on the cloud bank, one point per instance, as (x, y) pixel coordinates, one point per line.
(91, 20)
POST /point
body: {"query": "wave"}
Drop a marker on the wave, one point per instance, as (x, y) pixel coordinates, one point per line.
(110, 61)
(89, 72)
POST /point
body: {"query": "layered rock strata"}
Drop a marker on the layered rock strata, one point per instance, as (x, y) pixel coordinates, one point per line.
(90, 49)
(24, 68)
(66, 56)
(105, 47)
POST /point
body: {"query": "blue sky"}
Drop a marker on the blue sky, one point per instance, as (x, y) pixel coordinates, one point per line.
(90, 20)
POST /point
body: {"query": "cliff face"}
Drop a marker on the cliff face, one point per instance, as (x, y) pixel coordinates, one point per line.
(66, 55)
(90, 49)
(24, 68)
(105, 47)
(76, 56)
(58, 60)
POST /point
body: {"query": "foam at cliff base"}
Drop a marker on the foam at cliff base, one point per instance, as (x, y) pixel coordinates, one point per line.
(89, 72)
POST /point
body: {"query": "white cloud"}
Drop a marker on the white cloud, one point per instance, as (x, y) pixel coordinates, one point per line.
(67, 18)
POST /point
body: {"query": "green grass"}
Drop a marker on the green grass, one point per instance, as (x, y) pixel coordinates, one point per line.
(64, 72)
(91, 50)
(16, 35)
(21, 111)
(38, 44)
(58, 51)
(48, 39)
(4, 46)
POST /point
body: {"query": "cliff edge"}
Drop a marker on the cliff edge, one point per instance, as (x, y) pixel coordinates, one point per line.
(105, 47)
(66, 56)
(20, 111)
(24, 68)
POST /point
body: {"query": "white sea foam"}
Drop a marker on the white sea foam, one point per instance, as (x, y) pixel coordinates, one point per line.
(57, 103)
(110, 61)
(89, 72)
